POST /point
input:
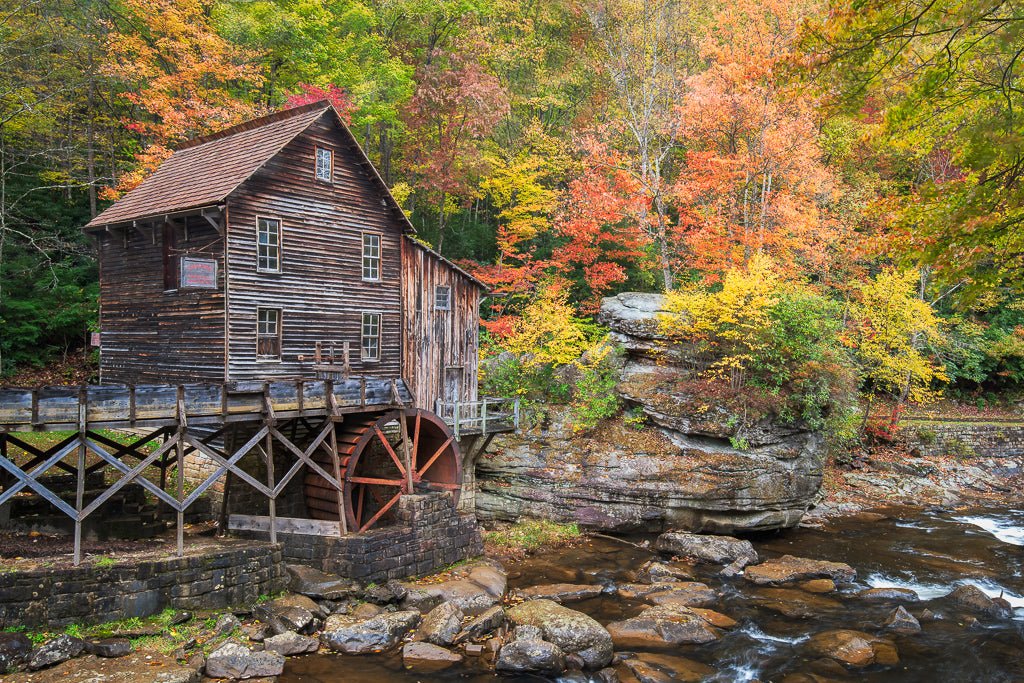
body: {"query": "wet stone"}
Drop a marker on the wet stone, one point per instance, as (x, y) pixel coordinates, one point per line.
(789, 568)
(480, 626)
(574, 632)
(425, 657)
(974, 599)
(441, 625)
(15, 650)
(853, 648)
(561, 592)
(818, 585)
(530, 656)
(320, 585)
(651, 667)
(226, 624)
(692, 594)
(901, 621)
(291, 643)
(664, 626)
(889, 595)
(351, 635)
(708, 548)
(794, 603)
(655, 572)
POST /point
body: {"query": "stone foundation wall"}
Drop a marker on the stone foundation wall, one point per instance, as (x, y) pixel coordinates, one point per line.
(214, 579)
(429, 534)
(965, 439)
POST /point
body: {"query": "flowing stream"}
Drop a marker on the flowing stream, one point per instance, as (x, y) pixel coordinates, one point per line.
(930, 552)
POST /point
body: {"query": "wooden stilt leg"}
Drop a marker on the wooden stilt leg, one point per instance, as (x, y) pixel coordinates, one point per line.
(80, 489)
(180, 448)
(270, 484)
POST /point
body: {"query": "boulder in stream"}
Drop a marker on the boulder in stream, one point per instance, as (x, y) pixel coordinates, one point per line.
(789, 568)
(901, 621)
(663, 626)
(423, 657)
(972, 598)
(441, 624)
(561, 592)
(655, 667)
(892, 594)
(708, 548)
(530, 655)
(355, 636)
(853, 648)
(235, 661)
(574, 632)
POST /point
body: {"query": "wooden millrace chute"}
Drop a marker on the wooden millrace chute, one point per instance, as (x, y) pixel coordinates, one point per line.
(372, 458)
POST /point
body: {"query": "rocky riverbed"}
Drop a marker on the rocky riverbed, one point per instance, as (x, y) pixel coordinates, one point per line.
(893, 594)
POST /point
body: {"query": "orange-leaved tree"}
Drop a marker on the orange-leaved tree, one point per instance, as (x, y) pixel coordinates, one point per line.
(185, 79)
(753, 179)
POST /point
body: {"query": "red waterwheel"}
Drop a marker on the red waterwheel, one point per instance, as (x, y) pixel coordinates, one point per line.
(371, 454)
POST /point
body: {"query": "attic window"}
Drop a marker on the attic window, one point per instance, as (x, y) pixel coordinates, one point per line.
(324, 164)
(443, 298)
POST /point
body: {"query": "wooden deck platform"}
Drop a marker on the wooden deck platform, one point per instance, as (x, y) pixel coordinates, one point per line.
(157, 405)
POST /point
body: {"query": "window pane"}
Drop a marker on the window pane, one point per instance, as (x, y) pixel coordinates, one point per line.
(324, 164)
(442, 298)
(268, 333)
(370, 337)
(268, 244)
(371, 257)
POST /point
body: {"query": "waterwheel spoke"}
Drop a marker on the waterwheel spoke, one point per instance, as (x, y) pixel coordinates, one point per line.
(390, 450)
(443, 485)
(381, 512)
(362, 497)
(436, 455)
(375, 480)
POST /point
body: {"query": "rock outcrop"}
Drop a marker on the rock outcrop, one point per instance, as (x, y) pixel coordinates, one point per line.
(693, 466)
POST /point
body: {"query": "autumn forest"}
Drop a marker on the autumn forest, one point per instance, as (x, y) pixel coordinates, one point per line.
(830, 192)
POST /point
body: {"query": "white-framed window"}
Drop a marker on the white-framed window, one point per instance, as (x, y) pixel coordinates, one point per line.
(268, 333)
(268, 245)
(370, 336)
(324, 164)
(443, 298)
(371, 256)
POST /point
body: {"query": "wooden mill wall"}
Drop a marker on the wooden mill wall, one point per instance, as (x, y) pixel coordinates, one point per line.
(149, 334)
(438, 341)
(320, 288)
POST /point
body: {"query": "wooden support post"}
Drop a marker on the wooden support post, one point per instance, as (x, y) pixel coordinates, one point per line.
(404, 430)
(180, 448)
(335, 417)
(483, 416)
(230, 443)
(346, 366)
(83, 407)
(455, 420)
(268, 453)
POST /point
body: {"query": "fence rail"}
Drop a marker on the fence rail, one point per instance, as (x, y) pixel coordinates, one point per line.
(487, 416)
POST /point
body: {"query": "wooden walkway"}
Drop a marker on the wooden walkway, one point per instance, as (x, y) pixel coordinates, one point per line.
(157, 405)
(270, 411)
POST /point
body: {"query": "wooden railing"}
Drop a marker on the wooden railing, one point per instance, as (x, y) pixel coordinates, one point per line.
(487, 416)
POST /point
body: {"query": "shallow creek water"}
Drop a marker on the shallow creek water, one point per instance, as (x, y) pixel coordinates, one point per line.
(929, 551)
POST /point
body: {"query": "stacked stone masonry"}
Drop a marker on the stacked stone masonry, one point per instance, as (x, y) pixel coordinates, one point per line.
(965, 439)
(215, 579)
(428, 534)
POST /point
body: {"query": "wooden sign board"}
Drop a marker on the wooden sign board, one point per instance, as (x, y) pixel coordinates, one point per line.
(198, 273)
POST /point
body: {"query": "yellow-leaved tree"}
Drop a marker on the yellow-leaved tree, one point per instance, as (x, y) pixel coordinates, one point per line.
(546, 333)
(724, 330)
(891, 326)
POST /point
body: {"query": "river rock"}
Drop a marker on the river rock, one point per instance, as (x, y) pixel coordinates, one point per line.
(901, 621)
(354, 636)
(639, 591)
(473, 590)
(574, 632)
(109, 647)
(480, 626)
(715, 618)
(320, 585)
(789, 568)
(818, 585)
(55, 651)
(663, 626)
(889, 595)
(531, 656)
(423, 657)
(853, 648)
(654, 571)
(291, 643)
(15, 650)
(560, 592)
(290, 613)
(690, 594)
(973, 598)
(652, 667)
(385, 594)
(441, 625)
(708, 548)
(793, 603)
(235, 661)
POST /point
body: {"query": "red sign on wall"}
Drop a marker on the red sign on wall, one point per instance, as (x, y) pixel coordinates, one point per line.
(198, 273)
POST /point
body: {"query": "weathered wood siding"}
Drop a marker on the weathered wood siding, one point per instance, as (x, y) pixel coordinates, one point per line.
(320, 290)
(149, 334)
(438, 342)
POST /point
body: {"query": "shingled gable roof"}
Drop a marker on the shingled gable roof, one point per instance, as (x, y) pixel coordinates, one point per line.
(205, 171)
